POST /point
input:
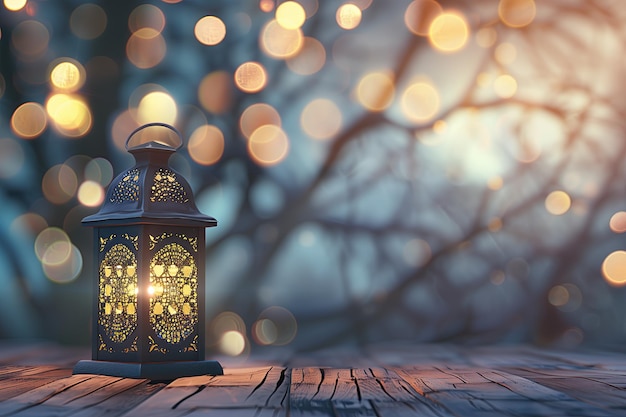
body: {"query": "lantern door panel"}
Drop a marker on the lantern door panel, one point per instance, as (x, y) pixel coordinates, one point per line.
(116, 301)
(175, 311)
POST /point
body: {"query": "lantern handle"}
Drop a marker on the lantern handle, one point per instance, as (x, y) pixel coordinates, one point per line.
(156, 124)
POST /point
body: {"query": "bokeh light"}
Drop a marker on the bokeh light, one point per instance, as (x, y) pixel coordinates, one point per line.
(14, 5)
(30, 39)
(232, 343)
(558, 296)
(99, 170)
(267, 6)
(210, 30)
(257, 115)
(375, 91)
(618, 222)
(348, 16)
(30, 223)
(321, 119)
(146, 16)
(88, 21)
(280, 43)
(29, 120)
(448, 32)
(206, 145)
(505, 86)
(420, 14)
(215, 92)
(614, 268)
(558, 202)
(49, 237)
(70, 114)
(275, 326)
(268, 145)
(67, 75)
(157, 106)
(250, 77)
(517, 13)
(486, 37)
(290, 15)
(505, 53)
(566, 297)
(59, 184)
(264, 332)
(226, 321)
(310, 59)
(90, 194)
(420, 102)
(146, 48)
(66, 271)
(416, 253)
(227, 331)
(57, 253)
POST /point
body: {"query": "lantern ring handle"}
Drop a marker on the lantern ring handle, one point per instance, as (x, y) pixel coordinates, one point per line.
(156, 124)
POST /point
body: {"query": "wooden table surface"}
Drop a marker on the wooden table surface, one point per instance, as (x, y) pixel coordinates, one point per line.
(420, 380)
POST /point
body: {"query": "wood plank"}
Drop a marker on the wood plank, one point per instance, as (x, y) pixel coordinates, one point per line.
(326, 391)
(406, 401)
(425, 380)
(236, 412)
(163, 402)
(305, 384)
(524, 387)
(228, 390)
(394, 386)
(346, 390)
(494, 392)
(369, 387)
(111, 400)
(40, 394)
(126, 397)
(273, 390)
(81, 390)
(592, 392)
(69, 400)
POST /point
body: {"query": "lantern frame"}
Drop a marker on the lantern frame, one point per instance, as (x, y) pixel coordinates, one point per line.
(149, 296)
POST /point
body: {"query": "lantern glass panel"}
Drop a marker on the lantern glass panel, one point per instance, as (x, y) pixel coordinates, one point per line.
(173, 293)
(117, 304)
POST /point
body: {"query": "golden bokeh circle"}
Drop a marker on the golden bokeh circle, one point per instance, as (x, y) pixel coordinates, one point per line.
(448, 32)
(29, 120)
(250, 77)
(210, 30)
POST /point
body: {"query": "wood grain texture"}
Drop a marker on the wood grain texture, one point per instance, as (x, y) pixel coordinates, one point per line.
(431, 381)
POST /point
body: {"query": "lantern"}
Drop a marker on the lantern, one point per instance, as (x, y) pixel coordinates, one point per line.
(148, 319)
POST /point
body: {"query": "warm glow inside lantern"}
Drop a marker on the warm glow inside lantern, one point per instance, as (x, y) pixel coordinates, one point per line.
(149, 285)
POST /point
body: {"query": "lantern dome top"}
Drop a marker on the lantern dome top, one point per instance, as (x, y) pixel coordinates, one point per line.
(151, 192)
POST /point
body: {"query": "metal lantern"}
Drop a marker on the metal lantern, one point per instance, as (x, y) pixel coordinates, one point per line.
(149, 288)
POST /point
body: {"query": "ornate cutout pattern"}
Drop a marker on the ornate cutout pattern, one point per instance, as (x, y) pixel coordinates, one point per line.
(127, 189)
(166, 188)
(117, 299)
(173, 293)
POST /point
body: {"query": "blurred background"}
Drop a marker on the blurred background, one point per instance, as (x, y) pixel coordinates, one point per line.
(381, 170)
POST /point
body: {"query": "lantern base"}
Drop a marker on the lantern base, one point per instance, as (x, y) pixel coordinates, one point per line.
(156, 371)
